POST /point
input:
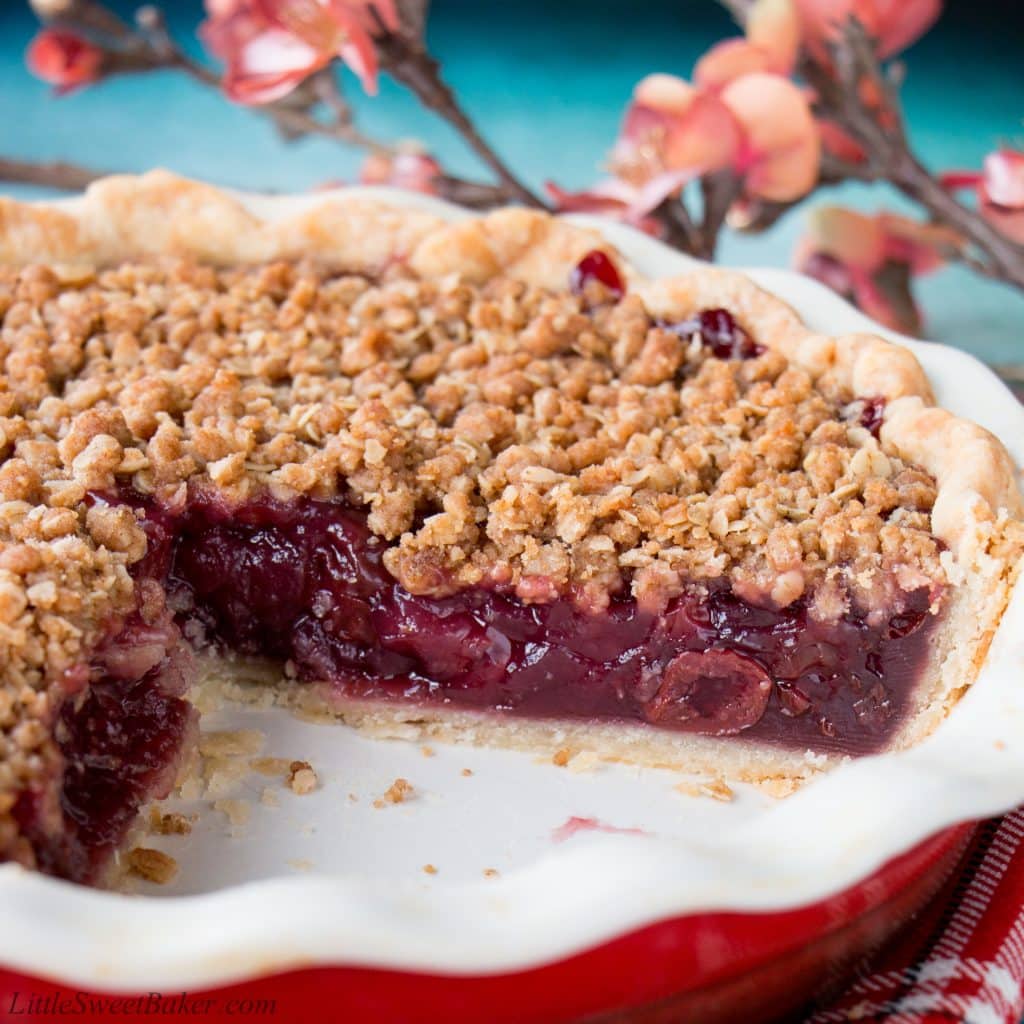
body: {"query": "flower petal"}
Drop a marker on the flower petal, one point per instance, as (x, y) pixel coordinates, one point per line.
(856, 240)
(1001, 192)
(781, 148)
(901, 22)
(673, 127)
(368, 12)
(667, 94)
(359, 53)
(886, 296)
(64, 59)
(417, 172)
(309, 20)
(616, 199)
(774, 27)
(1003, 179)
(729, 60)
(924, 247)
(268, 66)
(269, 46)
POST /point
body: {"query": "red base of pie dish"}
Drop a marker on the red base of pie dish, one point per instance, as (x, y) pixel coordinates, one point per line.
(711, 968)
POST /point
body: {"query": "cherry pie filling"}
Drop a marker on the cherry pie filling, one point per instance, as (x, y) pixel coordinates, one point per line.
(122, 732)
(304, 582)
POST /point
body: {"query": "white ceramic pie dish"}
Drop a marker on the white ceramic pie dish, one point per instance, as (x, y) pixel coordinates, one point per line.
(325, 879)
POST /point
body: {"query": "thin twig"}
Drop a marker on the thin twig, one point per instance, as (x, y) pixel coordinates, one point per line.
(719, 191)
(410, 65)
(50, 174)
(680, 231)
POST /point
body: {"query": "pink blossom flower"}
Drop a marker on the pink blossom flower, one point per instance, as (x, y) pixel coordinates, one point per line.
(781, 146)
(270, 46)
(670, 126)
(871, 260)
(760, 126)
(1000, 190)
(415, 171)
(65, 60)
(895, 24)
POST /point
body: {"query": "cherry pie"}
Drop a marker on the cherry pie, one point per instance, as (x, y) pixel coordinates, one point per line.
(475, 478)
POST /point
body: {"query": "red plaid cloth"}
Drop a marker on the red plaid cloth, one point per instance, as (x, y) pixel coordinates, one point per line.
(963, 961)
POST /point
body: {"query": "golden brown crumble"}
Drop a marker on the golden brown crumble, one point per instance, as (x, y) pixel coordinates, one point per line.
(716, 789)
(302, 780)
(169, 824)
(398, 792)
(152, 865)
(495, 433)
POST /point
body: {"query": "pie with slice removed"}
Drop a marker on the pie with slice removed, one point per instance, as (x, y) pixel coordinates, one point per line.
(477, 478)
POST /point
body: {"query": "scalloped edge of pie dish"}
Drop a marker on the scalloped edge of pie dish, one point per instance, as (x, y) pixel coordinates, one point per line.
(819, 841)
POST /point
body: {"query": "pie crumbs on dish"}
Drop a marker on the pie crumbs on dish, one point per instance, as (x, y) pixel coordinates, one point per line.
(468, 480)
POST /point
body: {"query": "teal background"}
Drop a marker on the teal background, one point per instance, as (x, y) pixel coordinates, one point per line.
(547, 82)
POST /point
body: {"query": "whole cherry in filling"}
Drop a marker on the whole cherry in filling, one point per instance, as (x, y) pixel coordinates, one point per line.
(718, 331)
(596, 266)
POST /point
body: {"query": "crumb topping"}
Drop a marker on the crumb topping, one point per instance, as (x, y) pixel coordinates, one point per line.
(497, 434)
(152, 865)
(302, 779)
(169, 823)
(397, 793)
(716, 789)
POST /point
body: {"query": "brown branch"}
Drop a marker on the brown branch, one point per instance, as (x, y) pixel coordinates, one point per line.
(678, 227)
(410, 65)
(477, 195)
(53, 174)
(719, 192)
